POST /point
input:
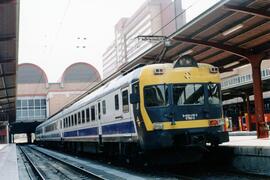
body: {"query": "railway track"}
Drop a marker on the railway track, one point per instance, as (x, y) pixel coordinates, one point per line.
(97, 169)
(32, 171)
(45, 166)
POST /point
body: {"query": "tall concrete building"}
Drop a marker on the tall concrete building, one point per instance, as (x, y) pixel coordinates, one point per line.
(154, 17)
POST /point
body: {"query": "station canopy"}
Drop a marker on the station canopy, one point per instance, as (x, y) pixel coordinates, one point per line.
(8, 59)
(225, 35)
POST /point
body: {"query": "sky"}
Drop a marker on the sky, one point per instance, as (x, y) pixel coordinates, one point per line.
(54, 34)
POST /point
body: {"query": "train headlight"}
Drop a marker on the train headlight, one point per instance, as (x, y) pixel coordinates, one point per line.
(216, 122)
(213, 69)
(158, 71)
(221, 121)
(158, 126)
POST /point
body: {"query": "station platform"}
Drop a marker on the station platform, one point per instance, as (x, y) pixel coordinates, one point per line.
(8, 162)
(248, 153)
(247, 140)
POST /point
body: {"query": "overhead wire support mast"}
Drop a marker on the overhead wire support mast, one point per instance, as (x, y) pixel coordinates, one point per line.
(159, 39)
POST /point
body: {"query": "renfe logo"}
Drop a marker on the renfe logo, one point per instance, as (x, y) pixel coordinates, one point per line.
(190, 116)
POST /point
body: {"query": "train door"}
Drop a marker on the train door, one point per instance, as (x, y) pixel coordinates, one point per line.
(125, 104)
(99, 121)
(60, 127)
(117, 109)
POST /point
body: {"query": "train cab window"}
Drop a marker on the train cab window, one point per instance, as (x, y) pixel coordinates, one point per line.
(75, 118)
(104, 107)
(87, 115)
(125, 101)
(116, 102)
(83, 117)
(93, 114)
(188, 94)
(213, 93)
(156, 95)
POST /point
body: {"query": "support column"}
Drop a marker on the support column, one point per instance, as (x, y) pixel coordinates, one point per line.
(246, 104)
(29, 138)
(248, 112)
(10, 137)
(262, 129)
(7, 136)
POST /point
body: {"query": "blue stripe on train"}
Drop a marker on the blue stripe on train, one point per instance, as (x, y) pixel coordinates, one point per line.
(120, 128)
(88, 131)
(70, 134)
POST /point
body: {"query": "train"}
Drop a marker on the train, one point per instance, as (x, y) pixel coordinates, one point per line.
(153, 107)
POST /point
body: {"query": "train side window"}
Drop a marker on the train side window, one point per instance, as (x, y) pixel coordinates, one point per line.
(75, 118)
(83, 117)
(87, 115)
(93, 114)
(116, 102)
(69, 121)
(125, 101)
(104, 107)
(79, 117)
(99, 110)
(72, 120)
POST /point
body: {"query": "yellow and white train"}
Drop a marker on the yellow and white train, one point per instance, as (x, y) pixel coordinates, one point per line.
(153, 107)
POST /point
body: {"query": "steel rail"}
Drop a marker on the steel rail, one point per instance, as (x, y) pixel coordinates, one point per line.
(79, 169)
(36, 171)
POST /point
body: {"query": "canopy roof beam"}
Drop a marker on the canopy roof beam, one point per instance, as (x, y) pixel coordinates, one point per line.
(246, 10)
(231, 49)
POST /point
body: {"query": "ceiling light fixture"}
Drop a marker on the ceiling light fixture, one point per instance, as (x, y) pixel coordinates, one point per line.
(186, 52)
(231, 64)
(233, 29)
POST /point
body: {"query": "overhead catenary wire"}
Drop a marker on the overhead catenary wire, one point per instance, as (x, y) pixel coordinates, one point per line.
(59, 28)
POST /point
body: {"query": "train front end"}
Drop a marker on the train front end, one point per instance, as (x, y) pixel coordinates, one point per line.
(179, 105)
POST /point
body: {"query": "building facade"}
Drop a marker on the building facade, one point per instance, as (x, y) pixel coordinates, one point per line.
(38, 99)
(154, 17)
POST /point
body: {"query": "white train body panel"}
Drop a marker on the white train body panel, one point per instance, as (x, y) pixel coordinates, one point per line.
(95, 116)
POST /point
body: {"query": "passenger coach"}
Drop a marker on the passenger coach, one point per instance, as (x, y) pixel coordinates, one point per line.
(153, 107)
